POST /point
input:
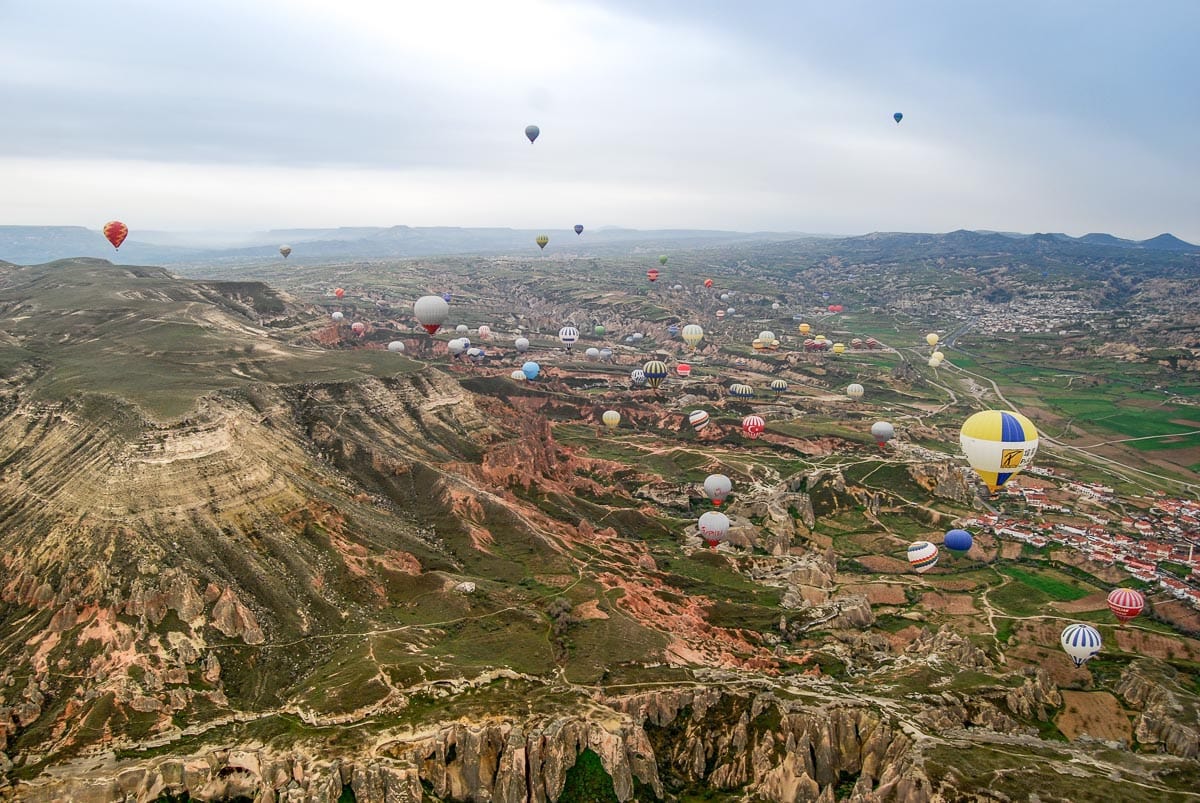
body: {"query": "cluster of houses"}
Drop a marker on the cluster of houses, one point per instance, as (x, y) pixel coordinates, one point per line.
(1167, 532)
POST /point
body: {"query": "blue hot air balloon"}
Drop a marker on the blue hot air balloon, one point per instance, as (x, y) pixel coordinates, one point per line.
(959, 540)
(532, 132)
(897, 117)
(446, 297)
(579, 228)
(531, 370)
(673, 330)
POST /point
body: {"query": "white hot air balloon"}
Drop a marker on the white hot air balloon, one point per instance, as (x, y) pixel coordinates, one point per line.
(1081, 642)
(396, 346)
(692, 334)
(431, 312)
(522, 344)
(714, 527)
(568, 335)
(855, 391)
(717, 488)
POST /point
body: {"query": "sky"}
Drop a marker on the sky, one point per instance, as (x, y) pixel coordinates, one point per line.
(1025, 115)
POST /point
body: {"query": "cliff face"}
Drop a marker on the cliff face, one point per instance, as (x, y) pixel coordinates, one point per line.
(652, 745)
(1166, 720)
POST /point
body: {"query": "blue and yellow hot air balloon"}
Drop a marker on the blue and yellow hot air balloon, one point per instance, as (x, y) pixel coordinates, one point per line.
(655, 371)
(998, 445)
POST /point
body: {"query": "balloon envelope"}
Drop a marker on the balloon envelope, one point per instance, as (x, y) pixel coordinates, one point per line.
(396, 346)
(339, 292)
(611, 418)
(1081, 642)
(338, 316)
(531, 370)
(115, 232)
(693, 334)
(431, 312)
(898, 116)
(708, 282)
(882, 432)
(959, 540)
(655, 371)
(541, 241)
(714, 527)
(568, 335)
(518, 375)
(662, 260)
(578, 228)
(286, 250)
(922, 555)
(532, 132)
(1125, 603)
(931, 339)
(779, 385)
(998, 445)
(698, 419)
(855, 391)
(741, 390)
(522, 344)
(753, 426)
(717, 487)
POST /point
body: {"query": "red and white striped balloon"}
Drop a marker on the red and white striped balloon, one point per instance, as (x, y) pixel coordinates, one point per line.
(1125, 603)
(683, 369)
(753, 426)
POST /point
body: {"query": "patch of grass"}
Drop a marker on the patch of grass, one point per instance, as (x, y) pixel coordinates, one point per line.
(1049, 583)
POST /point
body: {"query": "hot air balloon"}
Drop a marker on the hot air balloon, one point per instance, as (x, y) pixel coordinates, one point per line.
(461, 329)
(753, 426)
(522, 344)
(717, 487)
(518, 375)
(637, 337)
(542, 240)
(872, 343)
(766, 336)
(359, 327)
(714, 527)
(1125, 603)
(922, 555)
(677, 287)
(673, 330)
(839, 348)
(693, 334)
(605, 355)
(684, 370)
(652, 274)
(611, 418)
(115, 232)
(579, 228)
(477, 354)
(856, 343)
(662, 260)
(740, 390)
(656, 372)
(568, 335)
(779, 385)
(397, 346)
(775, 305)
(805, 329)
(531, 370)
(431, 312)
(598, 330)
(934, 360)
(532, 132)
(447, 297)
(339, 292)
(855, 391)
(637, 377)
(882, 432)
(998, 444)
(456, 346)
(286, 250)
(958, 540)
(720, 314)
(592, 353)
(708, 282)
(931, 339)
(898, 116)
(1081, 642)
(698, 419)
(338, 317)
(758, 344)
(485, 332)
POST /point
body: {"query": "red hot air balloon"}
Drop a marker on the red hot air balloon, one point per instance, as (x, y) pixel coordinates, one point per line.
(753, 426)
(652, 274)
(115, 232)
(359, 327)
(708, 282)
(339, 292)
(683, 369)
(1125, 603)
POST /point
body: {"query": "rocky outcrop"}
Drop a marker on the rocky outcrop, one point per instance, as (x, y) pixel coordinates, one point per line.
(1165, 720)
(946, 480)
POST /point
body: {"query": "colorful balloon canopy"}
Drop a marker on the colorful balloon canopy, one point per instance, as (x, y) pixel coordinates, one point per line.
(998, 445)
(431, 312)
(805, 328)
(485, 331)
(693, 334)
(568, 335)
(931, 339)
(579, 228)
(741, 390)
(922, 555)
(698, 419)
(882, 432)
(708, 282)
(532, 132)
(1081, 642)
(684, 370)
(753, 426)
(592, 353)
(457, 346)
(359, 327)
(286, 250)
(655, 371)
(339, 292)
(652, 274)
(662, 260)
(839, 348)
(598, 330)
(958, 540)
(673, 330)
(779, 385)
(542, 240)
(531, 370)
(446, 296)
(115, 232)
(611, 418)
(1125, 603)
(714, 527)
(898, 116)
(717, 487)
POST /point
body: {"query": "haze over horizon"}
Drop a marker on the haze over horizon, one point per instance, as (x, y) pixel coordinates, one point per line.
(1075, 118)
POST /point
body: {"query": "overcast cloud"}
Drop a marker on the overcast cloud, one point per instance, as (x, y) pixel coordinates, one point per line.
(1035, 116)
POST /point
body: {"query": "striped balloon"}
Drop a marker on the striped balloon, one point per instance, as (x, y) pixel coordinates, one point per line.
(1081, 642)
(741, 391)
(1125, 603)
(638, 377)
(656, 372)
(693, 334)
(922, 555)
(753, 426)
(779, 385)
(611, 418)
(855, 391)
(698, 419)
(998, 444)
(683, 369)
(115, 232)
(568, 335)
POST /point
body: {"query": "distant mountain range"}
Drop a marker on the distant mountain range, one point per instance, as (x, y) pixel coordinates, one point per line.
(29, 245)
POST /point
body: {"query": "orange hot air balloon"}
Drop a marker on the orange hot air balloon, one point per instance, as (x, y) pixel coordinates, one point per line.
(708, 282)
(115, 232)
(652, 274)
(339, 292)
